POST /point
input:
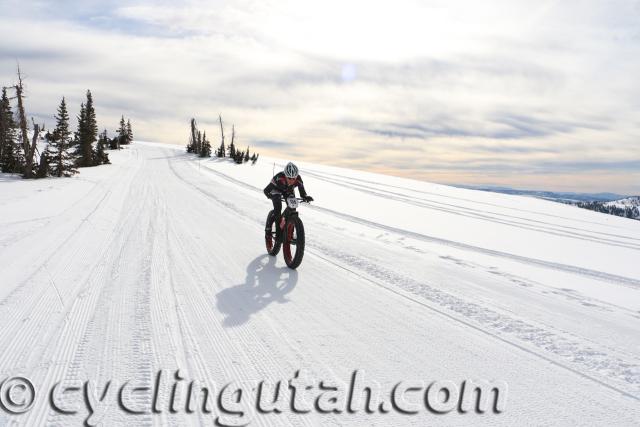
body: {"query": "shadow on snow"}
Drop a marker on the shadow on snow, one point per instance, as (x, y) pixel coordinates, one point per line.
(265, 283)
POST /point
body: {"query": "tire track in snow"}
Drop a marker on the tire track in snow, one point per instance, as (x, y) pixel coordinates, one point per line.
(24, 304)
(552, 229)
(600, 275)
(486, 319)
(116, 342)
(71, 324)
(357, 180)
(184, 351)
(232, 349)
(545, 340)
(93, 357)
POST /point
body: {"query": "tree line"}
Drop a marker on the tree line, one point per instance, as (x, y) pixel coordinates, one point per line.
(604, 207)
(64, 151)
(200, 145)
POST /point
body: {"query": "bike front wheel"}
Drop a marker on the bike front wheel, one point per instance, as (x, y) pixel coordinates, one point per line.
(293, 246)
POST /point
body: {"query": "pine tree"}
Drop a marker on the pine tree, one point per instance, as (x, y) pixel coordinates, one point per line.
(122, 133)
(57, 153)
(103, 137)
(87, 133)
(8, 149)
(129, 132)
(92, 132)
(43, 167)
(246, 155)
(79, 130)
(205, 150)
(102, 158)
(239, 157)
(253, 161)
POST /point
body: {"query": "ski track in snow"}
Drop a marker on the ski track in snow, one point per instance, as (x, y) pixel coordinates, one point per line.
(158, 263)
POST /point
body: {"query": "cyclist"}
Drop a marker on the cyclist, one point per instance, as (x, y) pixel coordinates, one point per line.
(282, 185)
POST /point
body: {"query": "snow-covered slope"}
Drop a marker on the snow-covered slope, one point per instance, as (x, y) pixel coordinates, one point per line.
(158, 262)
(627, 202)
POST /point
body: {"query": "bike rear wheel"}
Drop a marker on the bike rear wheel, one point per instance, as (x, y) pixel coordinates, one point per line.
(293, 246)
(270, 229)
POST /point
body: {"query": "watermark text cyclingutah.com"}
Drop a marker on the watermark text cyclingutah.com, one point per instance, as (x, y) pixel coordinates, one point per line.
(237, 403)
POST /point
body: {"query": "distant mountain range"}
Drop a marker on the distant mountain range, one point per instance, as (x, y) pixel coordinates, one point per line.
(551, 195)
(609, 203)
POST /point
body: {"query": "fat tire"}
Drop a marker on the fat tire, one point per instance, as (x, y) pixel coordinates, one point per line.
(268, 235)
(299, 228)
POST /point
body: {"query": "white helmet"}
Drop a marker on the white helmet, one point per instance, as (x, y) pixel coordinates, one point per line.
(291, 170)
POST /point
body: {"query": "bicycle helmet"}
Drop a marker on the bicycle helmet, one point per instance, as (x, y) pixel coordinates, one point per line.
(291, 170)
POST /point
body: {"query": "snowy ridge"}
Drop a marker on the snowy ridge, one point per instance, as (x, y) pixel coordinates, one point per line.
(626, 202)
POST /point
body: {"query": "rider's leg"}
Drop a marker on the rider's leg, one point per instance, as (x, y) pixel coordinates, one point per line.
(277, 209)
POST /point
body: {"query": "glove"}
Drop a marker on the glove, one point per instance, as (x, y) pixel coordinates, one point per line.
(308, 199)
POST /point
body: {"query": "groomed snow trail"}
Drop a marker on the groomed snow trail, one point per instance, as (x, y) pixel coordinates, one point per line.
(157, 262)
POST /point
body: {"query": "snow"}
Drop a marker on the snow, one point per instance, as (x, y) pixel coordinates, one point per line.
(158, 262)
(628, 202)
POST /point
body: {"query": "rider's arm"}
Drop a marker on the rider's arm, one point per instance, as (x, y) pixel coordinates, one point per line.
(267, 190)
(301, 189)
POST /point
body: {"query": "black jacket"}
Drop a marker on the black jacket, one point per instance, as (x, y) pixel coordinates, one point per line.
(279, 185)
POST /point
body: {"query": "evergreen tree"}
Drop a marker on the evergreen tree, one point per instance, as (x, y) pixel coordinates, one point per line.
(102, 158)
(239, 157)
(103, 137)
(43, 167)
(8, 149)
(113, 143)
(129, 132)
(57, 153)
(255, 159)
(92, 129)
(205, 150)
(122, 133)
(246, 155)
(92, 123)
(80, 129)
(87, 133)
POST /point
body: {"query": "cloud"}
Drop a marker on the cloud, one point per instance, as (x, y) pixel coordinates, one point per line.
(506, 126)
(447, 91)
(271, 144)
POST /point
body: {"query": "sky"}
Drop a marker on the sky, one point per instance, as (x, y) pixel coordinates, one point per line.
(527, 94)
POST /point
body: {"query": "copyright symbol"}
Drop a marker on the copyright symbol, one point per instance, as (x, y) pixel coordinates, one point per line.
(17, 395)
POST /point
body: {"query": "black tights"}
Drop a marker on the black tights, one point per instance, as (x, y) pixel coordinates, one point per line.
(277, 209)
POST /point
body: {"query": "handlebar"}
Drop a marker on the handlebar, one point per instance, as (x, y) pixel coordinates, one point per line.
(300, 199)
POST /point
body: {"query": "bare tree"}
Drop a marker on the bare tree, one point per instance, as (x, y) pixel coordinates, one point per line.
(232, 146)
(29, 150)
(221, 150)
